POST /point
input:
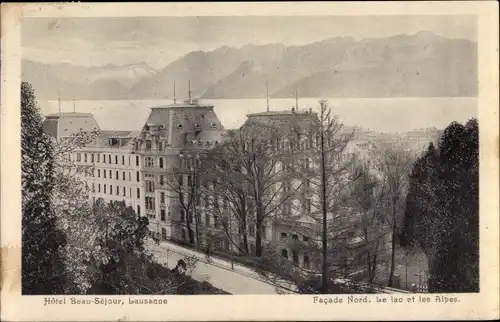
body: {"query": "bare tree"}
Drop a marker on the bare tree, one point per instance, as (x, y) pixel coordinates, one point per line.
(255, 161)
(316, 175)
(230, 203)
(394, 162)
(325, 171)
(183, 185)
(368, 197)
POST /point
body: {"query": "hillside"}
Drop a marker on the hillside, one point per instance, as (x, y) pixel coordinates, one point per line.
(420, 65)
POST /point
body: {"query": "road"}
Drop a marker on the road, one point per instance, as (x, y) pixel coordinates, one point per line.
(217, 272)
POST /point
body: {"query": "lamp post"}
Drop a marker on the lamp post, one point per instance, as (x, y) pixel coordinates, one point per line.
(158, 231)
(231, 244)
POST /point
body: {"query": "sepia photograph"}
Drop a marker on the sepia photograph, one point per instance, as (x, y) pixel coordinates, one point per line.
(322, 155)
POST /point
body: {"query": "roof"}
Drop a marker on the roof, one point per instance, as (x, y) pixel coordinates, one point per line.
(125, 137)
(115, 134)
(69, 114)
(282, 113)
(187, 103)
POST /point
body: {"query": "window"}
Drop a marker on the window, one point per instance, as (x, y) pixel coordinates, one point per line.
(162, 214)
(138, 210)
(283, 237)
(148, 145)
(182, 215)
(110, 174)
(123, 175)
(295, 237)
(181, 177)
(161, 163)
(98, 158)
(104, 173)
(129, 177)
(190, 216)
(78, 157)
(160, 146)
(110, 189)
(99, 187)
(116, 159)
(183, 234)
(137, 160)
(149, 162)
(138, 193)
(307, 262)
(162, 197)
(104, 188)
(305, 238)
(98, 173)
(162, 180)
(216, 222)
(85, 157)
(164, 234)
(109, 158)
(117, 190)
(138, 176)
(123, 160)
(92, 158)
(207, 220)
(93, 187)
(149, 186)
(295, 257)
(150, 203)
(117, 175)
(251, 230)
(124, 192)
(104, 158)
(189, 183)
(284, 253)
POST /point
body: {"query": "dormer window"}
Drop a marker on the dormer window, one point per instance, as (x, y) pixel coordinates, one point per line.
(148, 145)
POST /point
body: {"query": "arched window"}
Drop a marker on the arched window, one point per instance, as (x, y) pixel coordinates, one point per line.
(161, 163)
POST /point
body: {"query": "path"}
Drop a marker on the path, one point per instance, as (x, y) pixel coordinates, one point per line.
(217, 272)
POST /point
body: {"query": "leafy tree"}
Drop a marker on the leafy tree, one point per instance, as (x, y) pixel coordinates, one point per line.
(43, 269)
(442, 215)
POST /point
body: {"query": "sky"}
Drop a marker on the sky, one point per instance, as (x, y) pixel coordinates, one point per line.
(158, 41)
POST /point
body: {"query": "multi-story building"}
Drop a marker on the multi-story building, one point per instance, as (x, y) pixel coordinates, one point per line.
(170, 147)
(295, 224)
(154, 169)
(110, 168)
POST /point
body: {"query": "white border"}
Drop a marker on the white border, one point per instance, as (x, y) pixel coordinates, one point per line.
(258, 307)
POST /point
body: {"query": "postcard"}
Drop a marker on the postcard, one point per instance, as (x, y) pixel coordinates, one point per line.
(249, 161)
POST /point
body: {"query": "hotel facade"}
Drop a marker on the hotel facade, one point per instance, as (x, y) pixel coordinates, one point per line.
(152, 170)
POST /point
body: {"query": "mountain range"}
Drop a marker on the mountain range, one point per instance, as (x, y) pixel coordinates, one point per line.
(419, 65)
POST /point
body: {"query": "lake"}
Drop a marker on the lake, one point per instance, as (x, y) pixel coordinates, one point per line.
(378, 114)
